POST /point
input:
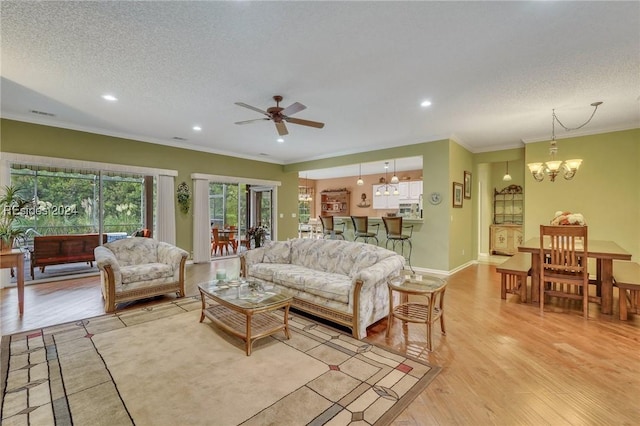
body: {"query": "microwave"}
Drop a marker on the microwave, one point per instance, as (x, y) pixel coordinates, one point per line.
(410, 210)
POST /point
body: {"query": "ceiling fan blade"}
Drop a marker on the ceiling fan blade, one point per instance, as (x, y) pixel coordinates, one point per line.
(293, 108)
(305, 122)
(282, 129)
(251, 121)
(242, 104)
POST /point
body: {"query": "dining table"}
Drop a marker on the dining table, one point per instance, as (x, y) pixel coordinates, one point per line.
(603, 251)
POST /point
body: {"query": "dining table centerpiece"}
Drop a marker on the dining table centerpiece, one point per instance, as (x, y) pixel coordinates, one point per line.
(568, 218)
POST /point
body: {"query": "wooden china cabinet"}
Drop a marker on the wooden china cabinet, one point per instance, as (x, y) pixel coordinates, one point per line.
(506, 231)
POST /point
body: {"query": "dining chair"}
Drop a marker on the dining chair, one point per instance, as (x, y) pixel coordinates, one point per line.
(563, 264)
(361, 229)
(315, 227)
(329, 227)
(218, 243)
(232, 238)
(394, 228)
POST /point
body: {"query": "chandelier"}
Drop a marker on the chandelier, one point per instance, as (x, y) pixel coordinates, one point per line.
(388, 189)
(553, 168)
(306, 195)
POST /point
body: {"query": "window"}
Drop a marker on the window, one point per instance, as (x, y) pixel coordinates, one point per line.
(224, 200)
(305, 204)
(67, 201)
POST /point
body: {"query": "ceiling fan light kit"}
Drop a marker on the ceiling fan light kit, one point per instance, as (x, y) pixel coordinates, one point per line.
(280, 115)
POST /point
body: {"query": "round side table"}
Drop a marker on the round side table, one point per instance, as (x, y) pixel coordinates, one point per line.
(426, 311)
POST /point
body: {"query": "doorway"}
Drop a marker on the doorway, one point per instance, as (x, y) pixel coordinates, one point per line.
(261, 209)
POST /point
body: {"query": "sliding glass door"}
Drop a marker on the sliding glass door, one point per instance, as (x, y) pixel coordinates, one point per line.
(261, 210)
(72, 201)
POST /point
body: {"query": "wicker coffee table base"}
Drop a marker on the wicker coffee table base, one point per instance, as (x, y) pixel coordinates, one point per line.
(248, 325)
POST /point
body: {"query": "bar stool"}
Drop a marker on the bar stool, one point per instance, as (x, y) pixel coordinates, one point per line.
(361, 228)
(328, 227)
(394, 227)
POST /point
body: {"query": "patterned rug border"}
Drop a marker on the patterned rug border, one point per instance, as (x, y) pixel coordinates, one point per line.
(61, 410)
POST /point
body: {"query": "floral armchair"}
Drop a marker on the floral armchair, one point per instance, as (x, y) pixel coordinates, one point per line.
(137, 268)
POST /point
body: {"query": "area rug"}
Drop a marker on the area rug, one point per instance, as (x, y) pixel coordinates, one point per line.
(161, 366)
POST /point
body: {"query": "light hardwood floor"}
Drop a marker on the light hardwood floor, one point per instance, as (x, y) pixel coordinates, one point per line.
(504, 363)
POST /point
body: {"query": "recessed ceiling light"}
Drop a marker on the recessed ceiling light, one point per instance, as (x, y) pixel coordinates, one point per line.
(425, 103)
(280, 140)
(109, 98)
(197, 128)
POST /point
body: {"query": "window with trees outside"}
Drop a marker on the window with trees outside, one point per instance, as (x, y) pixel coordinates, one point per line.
(67, 201)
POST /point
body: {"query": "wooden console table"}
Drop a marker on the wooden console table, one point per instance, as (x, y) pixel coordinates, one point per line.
(15, 258)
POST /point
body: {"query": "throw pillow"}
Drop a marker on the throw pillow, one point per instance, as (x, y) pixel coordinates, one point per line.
(277, 252)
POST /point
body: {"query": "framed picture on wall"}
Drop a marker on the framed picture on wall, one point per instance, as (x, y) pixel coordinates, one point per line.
(467, 185)
(457, 194)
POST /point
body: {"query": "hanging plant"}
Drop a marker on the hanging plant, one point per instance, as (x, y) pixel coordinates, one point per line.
(184, 197)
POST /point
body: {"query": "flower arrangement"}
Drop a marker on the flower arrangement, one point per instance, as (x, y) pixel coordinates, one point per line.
(568, 218)
(184, 196)
(257, 234)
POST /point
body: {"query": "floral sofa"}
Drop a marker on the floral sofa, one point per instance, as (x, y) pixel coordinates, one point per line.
(343, 281)
(137, 268)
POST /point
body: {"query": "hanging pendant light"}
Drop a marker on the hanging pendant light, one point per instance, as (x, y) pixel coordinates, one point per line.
(360, 182)
(507, 176)
(394, 178)
(388, 189)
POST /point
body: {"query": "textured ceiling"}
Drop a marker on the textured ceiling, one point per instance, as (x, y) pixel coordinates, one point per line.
(492, 70)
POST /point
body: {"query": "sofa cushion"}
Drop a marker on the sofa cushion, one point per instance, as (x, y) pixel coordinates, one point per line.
(367, 256)
(335, 256)
(264, 271)
(328, 285)
(134, 250)
(145, 272)
(277, 252)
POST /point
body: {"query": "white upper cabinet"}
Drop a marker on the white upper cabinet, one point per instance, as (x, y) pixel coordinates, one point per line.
(410, 191)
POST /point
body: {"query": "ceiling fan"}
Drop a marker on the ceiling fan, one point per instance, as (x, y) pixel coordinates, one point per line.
(279, 115)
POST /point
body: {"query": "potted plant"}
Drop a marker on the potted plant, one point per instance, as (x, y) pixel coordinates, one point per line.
(257, 234)
(12, 201)
(184, 197)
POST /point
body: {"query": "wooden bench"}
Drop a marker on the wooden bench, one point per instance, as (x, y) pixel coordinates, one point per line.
(626, 276)
(58, 249)
(514, 272)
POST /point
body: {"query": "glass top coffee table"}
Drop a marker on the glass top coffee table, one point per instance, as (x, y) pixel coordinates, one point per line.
(243, 308)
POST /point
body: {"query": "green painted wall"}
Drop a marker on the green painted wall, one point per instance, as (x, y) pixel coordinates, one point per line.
(461, 230)
(32, 139)
(606, 189)
(431, 240)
